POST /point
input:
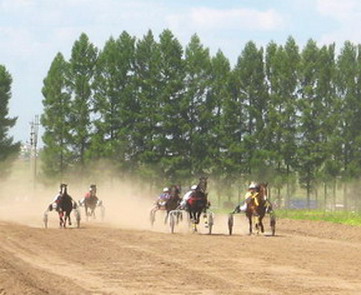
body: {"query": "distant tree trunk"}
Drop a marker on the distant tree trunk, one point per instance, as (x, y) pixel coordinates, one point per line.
(308, 189)
(345, 199)
(334, 194)
(325, 195)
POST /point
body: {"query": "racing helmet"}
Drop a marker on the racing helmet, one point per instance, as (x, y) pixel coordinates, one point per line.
(165, 190)
(253, 185)
(194, 187)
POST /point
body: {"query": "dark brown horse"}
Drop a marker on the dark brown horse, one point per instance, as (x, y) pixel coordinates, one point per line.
(198, 202)
(256, 209)
(65, 206)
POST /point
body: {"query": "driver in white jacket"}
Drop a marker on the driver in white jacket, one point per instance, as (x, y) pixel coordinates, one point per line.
(187, 196)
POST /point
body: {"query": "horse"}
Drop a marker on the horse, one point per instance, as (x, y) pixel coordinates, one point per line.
(168, 205)
(198, 202)
(256, 209)
(65, 206)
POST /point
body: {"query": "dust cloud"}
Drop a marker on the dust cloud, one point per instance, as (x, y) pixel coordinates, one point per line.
(127, 202)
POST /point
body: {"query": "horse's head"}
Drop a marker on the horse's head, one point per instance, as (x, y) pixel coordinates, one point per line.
(174, 191)
(63, 188)
(263, 190)
(202, 185)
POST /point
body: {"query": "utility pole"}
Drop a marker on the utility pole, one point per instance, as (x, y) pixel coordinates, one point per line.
(34, 130)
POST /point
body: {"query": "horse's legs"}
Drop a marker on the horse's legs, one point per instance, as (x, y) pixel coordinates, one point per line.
(166, 217)
(261, 224)
(68, 216)
(198, 216)
(86, 211)
(192, 218)
(250, 224)
(61, 220)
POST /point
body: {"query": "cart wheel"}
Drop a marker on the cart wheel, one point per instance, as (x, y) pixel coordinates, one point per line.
(210, 222)
(45, 220)
(172, 222)
(152, 216)
(230, 223)
(273, 224)
(77, 217)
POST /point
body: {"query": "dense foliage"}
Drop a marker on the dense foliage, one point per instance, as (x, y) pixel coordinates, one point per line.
(164, 112)
(8, 148)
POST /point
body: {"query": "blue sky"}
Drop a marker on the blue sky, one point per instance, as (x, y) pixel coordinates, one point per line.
(33, 31)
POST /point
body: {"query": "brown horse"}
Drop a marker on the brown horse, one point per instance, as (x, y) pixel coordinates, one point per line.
(256, 209)
(65, 206)
(198, 202)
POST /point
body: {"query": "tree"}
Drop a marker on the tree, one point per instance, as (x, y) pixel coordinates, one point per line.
(219, 93)
(349, 91)
(198, 106)
(56, 154)
(80, 78)
(114, 104)
(310, 151)
(8, 148)
(282, 64)
(173, 148)
(252, 92)
(146, 134)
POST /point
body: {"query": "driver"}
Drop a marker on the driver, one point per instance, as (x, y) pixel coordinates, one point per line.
(187, 196)
(252, 192)
(163, 197)
(90, 194)
(55, 203)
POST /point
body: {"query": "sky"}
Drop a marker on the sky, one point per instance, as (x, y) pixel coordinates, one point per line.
(32, 32)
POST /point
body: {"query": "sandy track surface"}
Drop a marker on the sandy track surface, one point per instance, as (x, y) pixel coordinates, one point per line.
(102, 258)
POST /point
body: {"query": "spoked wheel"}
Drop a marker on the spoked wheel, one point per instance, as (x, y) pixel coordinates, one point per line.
(172, 222)
(77, 217)
(273, 224)
(230, 223)
(174, 217)
(152, 216)
(210, 218)
(45, 220)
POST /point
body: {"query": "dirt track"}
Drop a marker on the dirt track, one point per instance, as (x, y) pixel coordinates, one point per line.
(101, 258)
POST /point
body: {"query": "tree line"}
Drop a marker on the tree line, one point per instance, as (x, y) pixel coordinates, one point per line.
(153, 108)
(8, 148)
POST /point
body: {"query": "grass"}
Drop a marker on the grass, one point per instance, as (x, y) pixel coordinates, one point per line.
(349, 218)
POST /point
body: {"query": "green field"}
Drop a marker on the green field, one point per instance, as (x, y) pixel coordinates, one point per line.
(349, 218)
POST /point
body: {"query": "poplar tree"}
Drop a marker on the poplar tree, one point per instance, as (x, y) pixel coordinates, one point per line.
(252, 91)
(55, 119)
(309, 150)
(8, 148)
(147, 137)
(198, 102)
(281, 70)
(80, 78)
(114, 102)
(172, 122)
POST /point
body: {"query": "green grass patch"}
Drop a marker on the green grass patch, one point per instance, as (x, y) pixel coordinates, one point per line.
(349, 218)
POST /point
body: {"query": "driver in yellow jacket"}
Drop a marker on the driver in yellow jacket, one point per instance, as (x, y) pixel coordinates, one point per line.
(252, 193)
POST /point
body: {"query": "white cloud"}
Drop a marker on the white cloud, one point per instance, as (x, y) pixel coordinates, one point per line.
(347, 20)
(340, 10)
(236, 18)
(9, 5)
(203, 18)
